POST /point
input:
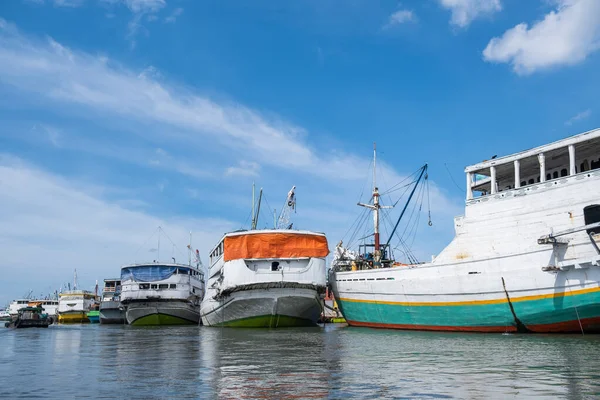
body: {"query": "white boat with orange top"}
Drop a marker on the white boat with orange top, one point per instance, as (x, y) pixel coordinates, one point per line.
(266, 278)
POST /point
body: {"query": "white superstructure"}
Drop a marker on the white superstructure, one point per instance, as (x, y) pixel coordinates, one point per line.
(73, 305)
(162, 293)
(266, 278)
(16, 305)
(525, 256)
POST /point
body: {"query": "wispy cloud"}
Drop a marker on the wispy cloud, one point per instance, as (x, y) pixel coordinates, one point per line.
(44, 215)
(244, 168)
(400, 17)
(174, 15)
(566, 36)
(463, 12)
(578, 117)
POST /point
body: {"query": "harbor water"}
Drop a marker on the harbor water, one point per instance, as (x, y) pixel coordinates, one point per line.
(331, 362)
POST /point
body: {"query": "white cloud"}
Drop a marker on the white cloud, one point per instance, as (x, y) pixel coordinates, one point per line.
(50, 226)
(145, 6)
(578, 117)
(173, 17)
(465, 11)
(244, 168)
(566, 36)
(400, 17)
(68, 3)
(53, 72)
(182, 129)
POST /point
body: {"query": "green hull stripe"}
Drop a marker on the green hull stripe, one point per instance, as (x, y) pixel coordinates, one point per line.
(161, 319)
(531, 312)
(268, 321)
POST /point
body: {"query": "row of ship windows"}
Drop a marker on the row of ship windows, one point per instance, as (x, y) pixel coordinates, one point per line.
(563, 172)
(365, 279)
(217, 252)
(158, 286)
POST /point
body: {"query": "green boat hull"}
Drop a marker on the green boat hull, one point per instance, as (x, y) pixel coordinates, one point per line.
(268, 321)
(161, 319)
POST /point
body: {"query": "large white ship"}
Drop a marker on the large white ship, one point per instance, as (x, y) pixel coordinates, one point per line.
(161, 293)
(266, 278)
(525, 255)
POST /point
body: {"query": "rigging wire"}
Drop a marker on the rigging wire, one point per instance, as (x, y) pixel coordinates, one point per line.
(452, 179)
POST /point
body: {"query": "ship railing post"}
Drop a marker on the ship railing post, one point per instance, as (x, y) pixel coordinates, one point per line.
(542, 160)
(469, 186)
(517, 174)
(493, 179)
(572, 160)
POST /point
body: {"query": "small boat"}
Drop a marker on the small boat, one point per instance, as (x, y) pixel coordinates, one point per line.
(266, 278)
(50, 308)
(94, 314)
(4, 315)
(111, 311)
(30, 317)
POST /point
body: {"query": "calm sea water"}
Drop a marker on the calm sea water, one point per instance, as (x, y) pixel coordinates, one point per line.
(334, 362)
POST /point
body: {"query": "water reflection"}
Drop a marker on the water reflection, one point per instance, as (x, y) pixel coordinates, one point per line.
(79, 361)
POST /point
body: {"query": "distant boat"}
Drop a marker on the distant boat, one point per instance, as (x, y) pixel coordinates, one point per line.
(525, 256)
(73, 306)
(94, 314)
(4, 315)
(161, 293)
(49, 307)
(16, 305)
(266, 278)
(30, 317)
(111, 311)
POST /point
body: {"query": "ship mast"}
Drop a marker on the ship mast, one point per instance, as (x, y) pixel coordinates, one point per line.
(375, 206)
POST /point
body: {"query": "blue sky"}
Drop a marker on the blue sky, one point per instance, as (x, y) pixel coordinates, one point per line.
(122, 115)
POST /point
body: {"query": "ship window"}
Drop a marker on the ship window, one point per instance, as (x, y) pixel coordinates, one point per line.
(163, 286)
(548, 177)
(173, 286)
(555, 174)
(564, 172)
(523, 183)
(154, 286)
(275, 266)
(531, 181)
(144, 286)
(595, 164)
(592, 215)
(538, 178)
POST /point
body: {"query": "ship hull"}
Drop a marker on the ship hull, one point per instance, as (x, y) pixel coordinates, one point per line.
(147, 313)
(110, 313)
(77, 317)
(432, 298)
(264, 308)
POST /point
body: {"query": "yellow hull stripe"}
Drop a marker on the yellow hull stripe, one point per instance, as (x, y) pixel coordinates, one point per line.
(478, 302)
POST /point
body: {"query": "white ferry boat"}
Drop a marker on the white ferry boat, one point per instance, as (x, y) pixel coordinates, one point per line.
(525, 255)
(162, 293)
(73, 306)
(16, 305)
(111, 311)
(266, 278)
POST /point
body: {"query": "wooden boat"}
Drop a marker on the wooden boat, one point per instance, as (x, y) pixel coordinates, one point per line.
(30, 317)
